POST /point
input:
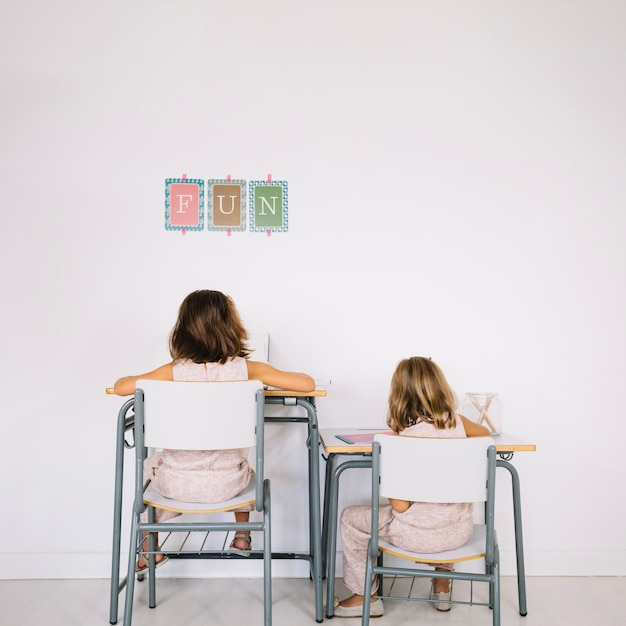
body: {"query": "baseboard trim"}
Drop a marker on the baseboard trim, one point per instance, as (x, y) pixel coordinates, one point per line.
(76, 566)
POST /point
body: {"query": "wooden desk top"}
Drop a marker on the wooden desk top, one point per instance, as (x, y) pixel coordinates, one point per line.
(282, 393)
(328, 436)
(274, 393)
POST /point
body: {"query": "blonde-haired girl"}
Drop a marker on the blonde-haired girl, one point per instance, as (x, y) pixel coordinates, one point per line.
(421, 404)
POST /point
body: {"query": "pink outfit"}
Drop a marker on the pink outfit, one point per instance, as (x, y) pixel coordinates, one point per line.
(423, 527)
(201, 475)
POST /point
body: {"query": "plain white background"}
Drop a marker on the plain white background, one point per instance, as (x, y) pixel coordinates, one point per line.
(456, 190)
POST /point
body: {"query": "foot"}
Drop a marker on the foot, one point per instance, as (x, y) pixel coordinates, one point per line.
(353, 607)
(242, 543)
(442, 593)
(142, 562)
(443, 600)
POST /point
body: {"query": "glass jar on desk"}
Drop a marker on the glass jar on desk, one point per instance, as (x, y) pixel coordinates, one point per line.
(484, 407)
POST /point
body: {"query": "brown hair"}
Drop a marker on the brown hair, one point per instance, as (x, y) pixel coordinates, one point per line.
(420, 393)
(208, 329)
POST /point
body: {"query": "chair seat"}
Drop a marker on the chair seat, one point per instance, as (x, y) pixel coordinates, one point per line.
(153, 498)
(474, 548)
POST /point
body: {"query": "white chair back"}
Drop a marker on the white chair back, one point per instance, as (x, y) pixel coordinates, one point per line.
(199, 415)
(421, 469)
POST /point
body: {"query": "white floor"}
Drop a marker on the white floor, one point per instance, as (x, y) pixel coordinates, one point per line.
(228, 602)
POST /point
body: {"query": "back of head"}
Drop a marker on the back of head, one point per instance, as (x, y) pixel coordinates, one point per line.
(208, 329)
(420, 393)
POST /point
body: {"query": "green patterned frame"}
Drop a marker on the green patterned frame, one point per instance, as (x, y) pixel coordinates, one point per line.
(258, 192)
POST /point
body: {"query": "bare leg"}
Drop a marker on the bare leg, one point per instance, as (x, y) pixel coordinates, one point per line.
(442, 591)
(242, 538)
(441, 584)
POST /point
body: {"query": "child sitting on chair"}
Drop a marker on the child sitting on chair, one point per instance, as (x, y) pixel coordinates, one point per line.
(421, 404)
(208, 343)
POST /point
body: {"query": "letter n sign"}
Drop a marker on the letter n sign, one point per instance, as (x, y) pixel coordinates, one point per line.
(268, 206)
(226, 204)
(184, 204)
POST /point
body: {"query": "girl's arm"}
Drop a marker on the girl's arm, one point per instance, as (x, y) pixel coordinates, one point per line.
(269, 375)
(126, 386)
(472, 429)
(399, 505)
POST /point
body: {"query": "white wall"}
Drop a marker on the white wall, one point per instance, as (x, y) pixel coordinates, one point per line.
(456, 190)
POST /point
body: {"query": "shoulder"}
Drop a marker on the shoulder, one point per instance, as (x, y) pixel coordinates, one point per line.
(256, 369)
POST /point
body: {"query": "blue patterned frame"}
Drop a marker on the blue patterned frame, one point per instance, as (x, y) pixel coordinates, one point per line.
(196, 181)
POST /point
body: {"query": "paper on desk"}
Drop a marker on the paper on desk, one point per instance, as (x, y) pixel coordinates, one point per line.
(362, 438)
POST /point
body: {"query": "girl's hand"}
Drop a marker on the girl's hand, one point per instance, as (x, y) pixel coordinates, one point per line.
(399, 505)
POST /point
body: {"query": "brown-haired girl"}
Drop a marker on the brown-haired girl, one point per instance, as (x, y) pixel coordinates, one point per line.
(208, 343)
(421, 404)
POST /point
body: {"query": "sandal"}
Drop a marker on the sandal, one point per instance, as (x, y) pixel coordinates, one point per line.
(141, 570)
(442, 600)
(247, 543)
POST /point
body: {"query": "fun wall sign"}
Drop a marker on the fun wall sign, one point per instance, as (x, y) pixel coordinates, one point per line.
(221, 205)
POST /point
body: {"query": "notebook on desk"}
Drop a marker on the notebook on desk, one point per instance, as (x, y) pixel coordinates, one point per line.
(362, 437)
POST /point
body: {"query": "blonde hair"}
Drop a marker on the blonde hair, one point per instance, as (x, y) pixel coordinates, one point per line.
(420, 393)
(208, 329)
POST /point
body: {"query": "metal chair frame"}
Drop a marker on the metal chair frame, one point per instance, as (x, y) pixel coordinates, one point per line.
(260, 497)
(489, 549)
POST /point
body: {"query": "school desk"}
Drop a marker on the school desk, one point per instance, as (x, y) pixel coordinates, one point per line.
(506, 446)
(306, 400)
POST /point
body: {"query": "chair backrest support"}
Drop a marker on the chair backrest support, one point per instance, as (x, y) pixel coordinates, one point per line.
(423, 469)
(199, 415)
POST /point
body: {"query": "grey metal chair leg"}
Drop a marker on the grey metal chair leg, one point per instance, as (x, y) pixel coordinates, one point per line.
(115, 552)
(123, 424)
(496, 589)
(152, 546)
(267, 557)
(130, 576)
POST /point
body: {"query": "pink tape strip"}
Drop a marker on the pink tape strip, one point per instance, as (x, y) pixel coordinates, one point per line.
(184, 177)
(269, 180)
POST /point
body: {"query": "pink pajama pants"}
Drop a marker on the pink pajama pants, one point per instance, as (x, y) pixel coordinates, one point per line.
(356, 525)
